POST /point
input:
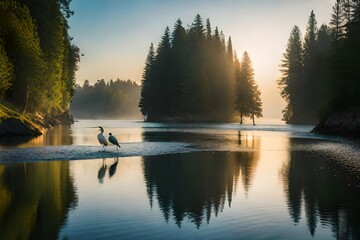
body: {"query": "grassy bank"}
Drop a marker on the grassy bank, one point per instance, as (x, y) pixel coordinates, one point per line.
(14, 123)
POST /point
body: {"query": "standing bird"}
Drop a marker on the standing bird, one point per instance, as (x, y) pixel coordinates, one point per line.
(114, 141)
(101, 138)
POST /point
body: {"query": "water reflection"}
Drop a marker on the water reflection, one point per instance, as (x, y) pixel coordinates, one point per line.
(35, 199)
(56, 136)
(112, 169)
(228, 140)
(102, 170)
(327, 193)
(196, 186)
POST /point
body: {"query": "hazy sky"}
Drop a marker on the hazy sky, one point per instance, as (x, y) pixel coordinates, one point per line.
(115, 35)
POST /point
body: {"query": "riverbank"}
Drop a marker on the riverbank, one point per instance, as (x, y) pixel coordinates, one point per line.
(344, 123)
(13, 123)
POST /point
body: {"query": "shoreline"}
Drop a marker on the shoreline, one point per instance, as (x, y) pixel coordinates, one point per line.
(13, 123)
(341, 123)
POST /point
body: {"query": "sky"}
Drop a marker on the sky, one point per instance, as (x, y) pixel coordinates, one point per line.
(114, 35)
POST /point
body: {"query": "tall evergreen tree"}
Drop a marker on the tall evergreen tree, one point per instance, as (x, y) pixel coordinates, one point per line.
(241, 91)
(311, 90)
(229, 52)
(253, 101)
(337, 20)
(208, 29)
(291, 68)
(180, 68)
(146, 83)
(248, 102)
(197, 91)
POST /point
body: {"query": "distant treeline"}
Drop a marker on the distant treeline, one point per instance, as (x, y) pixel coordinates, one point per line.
(114, 99)
(320, 74)
(194, 75)
(37, 59)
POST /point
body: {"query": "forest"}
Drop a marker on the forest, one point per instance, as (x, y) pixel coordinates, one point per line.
(194, 75)
(320, 73)
(37, 59)
(106, 100)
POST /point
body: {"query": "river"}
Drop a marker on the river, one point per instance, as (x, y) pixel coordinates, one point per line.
(180, 181)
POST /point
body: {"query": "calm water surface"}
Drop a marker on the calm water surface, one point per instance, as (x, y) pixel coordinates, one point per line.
(271, 181)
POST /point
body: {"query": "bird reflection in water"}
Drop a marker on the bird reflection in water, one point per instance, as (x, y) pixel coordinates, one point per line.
(113, 167)
(103, 168)
(102, 171)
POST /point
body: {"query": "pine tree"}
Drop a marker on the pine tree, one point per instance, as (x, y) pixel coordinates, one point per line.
(337, 20)
(229, 52)
(146, 83)
(197, 91)
(241, 90)
(252, 104)
(208, 29)
(162, 78)
(311, 90)
(291, 68)
(310, 40)
(179, 75)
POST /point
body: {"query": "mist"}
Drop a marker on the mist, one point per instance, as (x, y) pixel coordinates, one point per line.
(106, 100)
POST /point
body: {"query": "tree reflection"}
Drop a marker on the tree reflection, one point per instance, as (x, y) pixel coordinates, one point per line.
(35, 199)
(328, 193)
(56, 136)
(196, 185)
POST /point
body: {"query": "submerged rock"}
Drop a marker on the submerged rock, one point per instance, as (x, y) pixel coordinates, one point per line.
(346, 123)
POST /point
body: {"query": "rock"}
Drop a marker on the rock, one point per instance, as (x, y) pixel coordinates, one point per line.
(16, 127)
(346, 123)
(65, 118)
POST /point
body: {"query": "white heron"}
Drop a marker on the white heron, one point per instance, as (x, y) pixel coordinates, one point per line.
(114, 141)
(101, 138)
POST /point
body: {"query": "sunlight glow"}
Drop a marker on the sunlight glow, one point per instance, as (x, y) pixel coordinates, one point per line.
(116, 41)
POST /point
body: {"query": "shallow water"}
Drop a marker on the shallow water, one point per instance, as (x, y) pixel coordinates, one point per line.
(180, 181)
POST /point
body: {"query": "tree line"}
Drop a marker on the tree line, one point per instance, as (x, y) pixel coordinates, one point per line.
(37, 59)
(194, 75)
(320, 73)
(104, 100)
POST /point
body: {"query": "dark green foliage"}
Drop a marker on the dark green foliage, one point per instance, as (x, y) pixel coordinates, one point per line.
(34, 38)
(147, 83)
(114, 99)
(248, 102)
(310, 95)
(337, 20)
(326, 78)
(6, 71)
(191, 76)
(291, 68)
